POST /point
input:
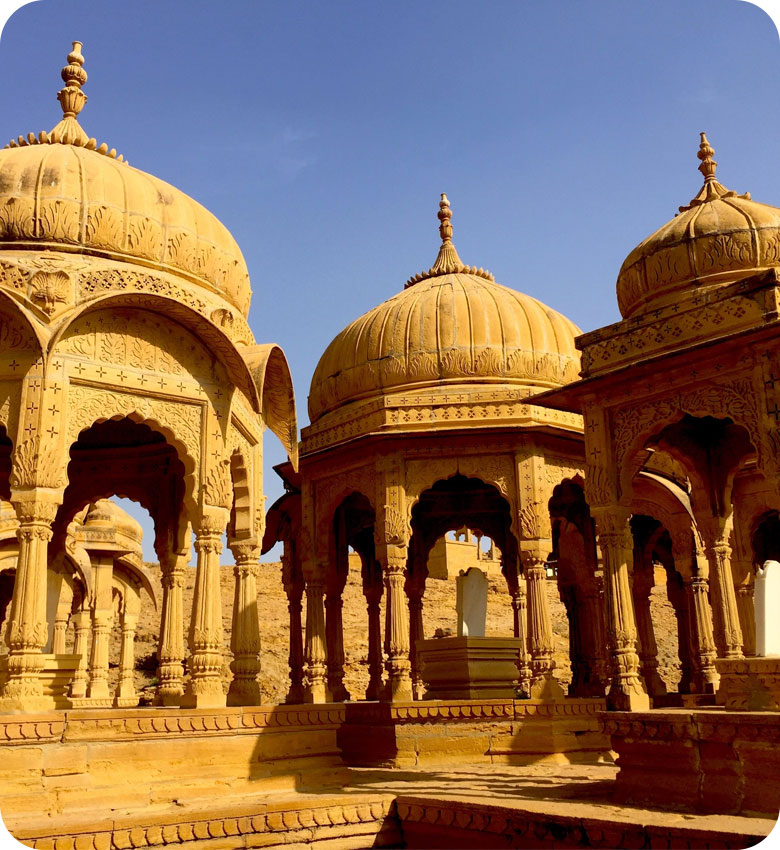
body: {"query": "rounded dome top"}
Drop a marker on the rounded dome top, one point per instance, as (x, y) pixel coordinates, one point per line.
(451, 325)
(60, 190)
(107, 513)
(719, 237)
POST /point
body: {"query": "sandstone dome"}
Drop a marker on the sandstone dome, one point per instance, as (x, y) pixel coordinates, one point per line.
(719, 237)
(108, 514)
(63, 192)
(451, 326)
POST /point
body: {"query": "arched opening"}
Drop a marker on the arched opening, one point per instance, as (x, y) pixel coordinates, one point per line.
(580, 585)
(354, 663)
(459, 607)
(110, 462)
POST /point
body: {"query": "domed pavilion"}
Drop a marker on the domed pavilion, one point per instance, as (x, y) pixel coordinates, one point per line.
(680, 402)
(420, 425)
(127, 368)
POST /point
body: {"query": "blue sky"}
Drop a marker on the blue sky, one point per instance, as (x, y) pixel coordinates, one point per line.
(321, 134)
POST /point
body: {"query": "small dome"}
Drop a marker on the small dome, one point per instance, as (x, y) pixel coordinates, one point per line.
(106, 513)
(451, 325)
(62, 191)
(719, 237)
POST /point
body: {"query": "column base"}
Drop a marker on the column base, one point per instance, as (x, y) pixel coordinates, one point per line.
(316, 693)
(546, 688)
(29, 703)
(204, 694)
(628, 700)
(98, 691)
(244, 692)
(169, 697)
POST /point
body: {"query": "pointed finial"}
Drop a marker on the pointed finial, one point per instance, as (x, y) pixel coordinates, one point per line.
(445, 214)
(706, 154)
(72, 100)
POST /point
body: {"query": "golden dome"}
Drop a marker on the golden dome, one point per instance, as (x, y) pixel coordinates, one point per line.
(719, 237)
(106, 513)
(452, 325)
(62, 191)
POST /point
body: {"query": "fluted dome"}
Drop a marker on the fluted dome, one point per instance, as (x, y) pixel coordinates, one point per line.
(108, 514)
(452, 325)
(719, 237)
(60, 190)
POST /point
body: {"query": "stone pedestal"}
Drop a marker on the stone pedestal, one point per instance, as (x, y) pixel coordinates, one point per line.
(749, 684)
(469, 667)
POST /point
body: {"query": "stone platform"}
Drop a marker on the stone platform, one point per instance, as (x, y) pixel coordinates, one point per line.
(703, 760)
(62, 764)
(429, 732)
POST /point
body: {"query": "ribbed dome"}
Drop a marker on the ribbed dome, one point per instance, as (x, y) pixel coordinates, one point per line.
(452, 325)
(719, 237)
(59, 190)
(106, 513)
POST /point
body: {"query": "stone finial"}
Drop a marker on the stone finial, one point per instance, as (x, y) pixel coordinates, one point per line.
(72, 100)
(445, 214)
(447, 261)
(712, 190)
(706, 154)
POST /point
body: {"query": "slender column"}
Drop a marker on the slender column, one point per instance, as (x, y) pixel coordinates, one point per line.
(627, 689)
(102, 621)
(204, 689)
(293, 587)
(728, 634)
(540, 640)
(705, 676)
(125, 692)
(81, 621)
(747, 616)
(648, 648)
(245, 633)
(416, 632)
(28, 630)
(373, 593)
(334, 629)
(61, 616)
(399, 680)
(590, 614)
(676, 594)
(520, 629)
(316, 689)
(171, 651)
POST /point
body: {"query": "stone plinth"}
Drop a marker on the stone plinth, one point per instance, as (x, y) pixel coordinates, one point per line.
(83, 763)
(749, 684)
(717, 761)
(56, 676)
(469, 667)
(438, 733)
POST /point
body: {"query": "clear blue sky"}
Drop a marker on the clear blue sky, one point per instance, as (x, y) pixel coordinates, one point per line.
(321, 134)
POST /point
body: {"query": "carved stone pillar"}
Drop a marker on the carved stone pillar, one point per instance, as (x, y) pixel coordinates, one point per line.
(594, 643)
(728, 634)
(675, 590)
(81, 622)
(416, 633)
(334, 630)
(399, 680)
(245, 633)
(520, 630)
(316, 688)
(61, 617)
(204, 689)
(540, 639)
(125, 692)
(747, 617)
(28, 630)
(642, 584)
(627, 689)
(373, 594)
(705, 678)
(102, 622)
(292, 579)
(171, 651)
